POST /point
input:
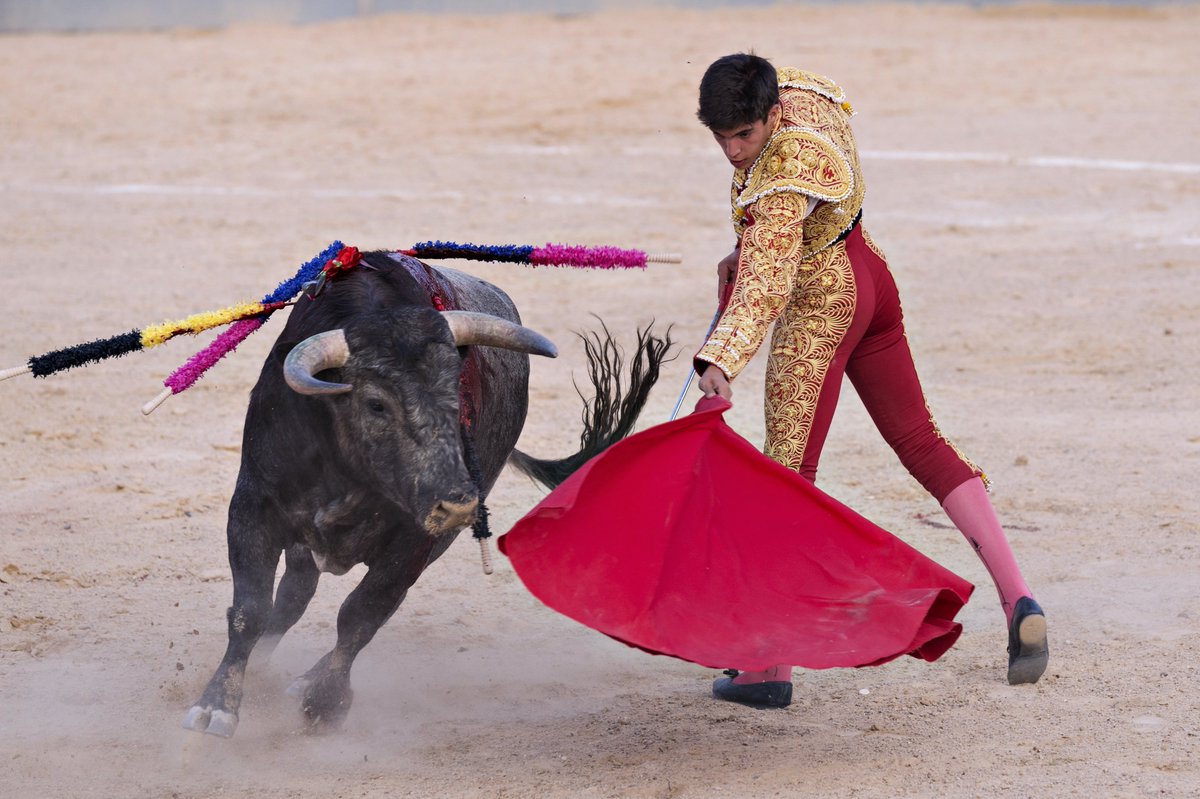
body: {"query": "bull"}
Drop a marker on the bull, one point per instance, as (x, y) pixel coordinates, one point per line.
(355, 451)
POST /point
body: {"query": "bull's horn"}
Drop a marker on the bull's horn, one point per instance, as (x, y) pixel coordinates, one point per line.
(486, 330)
(327, 350)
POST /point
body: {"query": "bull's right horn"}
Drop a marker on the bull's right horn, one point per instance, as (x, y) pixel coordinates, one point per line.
(486, 330)
(327, 350)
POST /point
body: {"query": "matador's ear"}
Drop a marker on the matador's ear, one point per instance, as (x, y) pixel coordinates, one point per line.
(775, 117)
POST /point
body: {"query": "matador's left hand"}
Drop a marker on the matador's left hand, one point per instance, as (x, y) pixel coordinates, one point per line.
(727, 272)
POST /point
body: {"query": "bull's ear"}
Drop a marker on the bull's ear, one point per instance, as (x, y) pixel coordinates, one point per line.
(480, 329)
(327, 350)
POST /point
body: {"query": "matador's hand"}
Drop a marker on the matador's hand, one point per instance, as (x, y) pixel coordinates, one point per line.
(713, 381)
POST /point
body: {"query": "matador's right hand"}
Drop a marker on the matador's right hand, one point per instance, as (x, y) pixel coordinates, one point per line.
(714, 381)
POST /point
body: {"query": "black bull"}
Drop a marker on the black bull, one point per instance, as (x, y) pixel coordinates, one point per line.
(366, 463)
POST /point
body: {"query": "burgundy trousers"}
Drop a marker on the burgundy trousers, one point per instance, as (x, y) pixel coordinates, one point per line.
(844, 318)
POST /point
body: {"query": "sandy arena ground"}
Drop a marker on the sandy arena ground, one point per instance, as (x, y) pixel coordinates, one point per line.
(1053, 297)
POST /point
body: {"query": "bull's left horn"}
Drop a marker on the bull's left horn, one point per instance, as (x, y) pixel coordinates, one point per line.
(327, 350)
(486, 330)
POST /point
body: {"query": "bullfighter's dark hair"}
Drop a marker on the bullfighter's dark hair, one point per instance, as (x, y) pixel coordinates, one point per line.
(736, 90)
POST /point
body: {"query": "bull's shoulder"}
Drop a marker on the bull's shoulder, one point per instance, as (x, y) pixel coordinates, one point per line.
(476, 294)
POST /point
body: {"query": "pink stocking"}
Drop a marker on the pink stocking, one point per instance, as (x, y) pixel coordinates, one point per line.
(773, 674)
(971, 511)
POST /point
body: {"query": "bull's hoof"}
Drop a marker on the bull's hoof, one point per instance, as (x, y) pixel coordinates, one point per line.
(298, 687)
(326, 703)
(214, 722)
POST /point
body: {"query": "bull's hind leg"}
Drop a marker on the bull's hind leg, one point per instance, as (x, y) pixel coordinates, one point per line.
(253, 561)
(295, 591)
(326, 686)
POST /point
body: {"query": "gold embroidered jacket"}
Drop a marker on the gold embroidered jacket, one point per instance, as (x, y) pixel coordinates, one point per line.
(802, 192)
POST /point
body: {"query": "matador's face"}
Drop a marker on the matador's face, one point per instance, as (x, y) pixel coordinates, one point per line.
(743, 144)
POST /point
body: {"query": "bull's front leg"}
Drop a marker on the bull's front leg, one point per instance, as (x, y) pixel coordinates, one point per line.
(325, 688)
(253, 561)
(295, 591)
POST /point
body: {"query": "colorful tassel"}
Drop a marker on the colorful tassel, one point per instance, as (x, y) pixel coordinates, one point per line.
(334, 260)
(331, 261)
(153, 335)
(548, 255)
(186, 376)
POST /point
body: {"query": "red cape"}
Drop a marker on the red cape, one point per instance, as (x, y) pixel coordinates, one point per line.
(685, 540)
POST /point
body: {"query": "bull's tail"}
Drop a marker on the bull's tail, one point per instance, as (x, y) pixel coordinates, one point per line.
(612, 412)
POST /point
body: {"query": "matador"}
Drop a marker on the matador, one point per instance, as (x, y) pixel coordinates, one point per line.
(805, 264)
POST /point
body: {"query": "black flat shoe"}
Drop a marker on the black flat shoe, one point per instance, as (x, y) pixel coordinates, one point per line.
(759, 695)
(1028, 652)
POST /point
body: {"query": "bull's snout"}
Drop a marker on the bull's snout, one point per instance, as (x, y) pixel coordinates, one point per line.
(448, 514)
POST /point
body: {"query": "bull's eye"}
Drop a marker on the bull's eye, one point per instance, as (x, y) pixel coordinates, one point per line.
(376, 406)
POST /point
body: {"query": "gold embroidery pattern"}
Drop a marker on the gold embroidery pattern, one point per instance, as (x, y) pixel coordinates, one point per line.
(806, 106)
(791, 78)
(767, 269)
(810, 104)
(806, 337)
(799, 160)
(987, 484)
(739, 214)
(874, 247)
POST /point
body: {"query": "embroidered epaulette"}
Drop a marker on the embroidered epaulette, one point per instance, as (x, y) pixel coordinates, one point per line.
(791, 78)
(801, 161)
